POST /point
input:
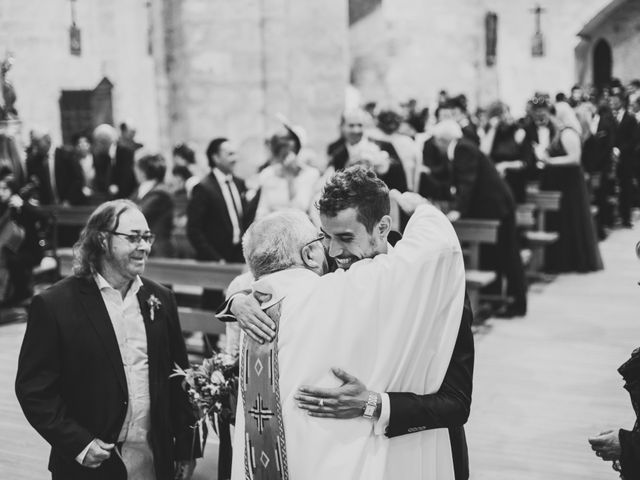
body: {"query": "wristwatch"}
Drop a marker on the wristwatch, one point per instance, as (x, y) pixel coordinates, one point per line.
(370, 407)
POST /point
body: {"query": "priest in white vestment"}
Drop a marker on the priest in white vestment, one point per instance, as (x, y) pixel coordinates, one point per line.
(391, 321)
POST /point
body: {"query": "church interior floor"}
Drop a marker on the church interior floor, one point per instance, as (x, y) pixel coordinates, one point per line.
(543, 383)
(546, 382)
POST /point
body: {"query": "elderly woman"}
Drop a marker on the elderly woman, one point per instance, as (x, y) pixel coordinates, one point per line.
(286, 182)
(577, 247)
(155, 201)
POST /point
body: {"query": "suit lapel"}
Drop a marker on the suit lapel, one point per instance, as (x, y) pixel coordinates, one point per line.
(151, 328)
(99, 317)
(219, 200)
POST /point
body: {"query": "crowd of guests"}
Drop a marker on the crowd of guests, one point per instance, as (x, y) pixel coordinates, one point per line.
(475, 165)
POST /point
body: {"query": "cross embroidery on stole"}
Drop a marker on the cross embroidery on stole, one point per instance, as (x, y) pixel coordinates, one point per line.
(265, 451)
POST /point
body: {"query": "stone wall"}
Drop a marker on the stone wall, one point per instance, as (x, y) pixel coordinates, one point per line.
(413, 48)
(235, 65)
(621, 32)
(114, 44)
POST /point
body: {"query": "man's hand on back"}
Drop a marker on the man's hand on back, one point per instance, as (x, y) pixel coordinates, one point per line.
(407, 201)
(346, 401)
(252, 319)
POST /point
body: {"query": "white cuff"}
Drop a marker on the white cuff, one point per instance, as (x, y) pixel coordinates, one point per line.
(83, 453)
(381, 425)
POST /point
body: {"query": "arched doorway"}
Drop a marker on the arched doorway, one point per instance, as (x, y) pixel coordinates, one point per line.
(602, 64)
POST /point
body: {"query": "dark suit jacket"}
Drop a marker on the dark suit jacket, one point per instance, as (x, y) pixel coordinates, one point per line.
(394, 178)
(596, 152)
(157, 207)
(449, 407)
(69, 177)
(437, 184)
(480, 192)
(209, 227)
(117, 171)
(626, 137)
(71, 382)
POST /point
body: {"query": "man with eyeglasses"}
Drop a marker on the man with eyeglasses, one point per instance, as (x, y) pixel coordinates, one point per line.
(94, 368)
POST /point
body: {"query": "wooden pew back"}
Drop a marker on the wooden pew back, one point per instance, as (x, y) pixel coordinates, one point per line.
(180, 273)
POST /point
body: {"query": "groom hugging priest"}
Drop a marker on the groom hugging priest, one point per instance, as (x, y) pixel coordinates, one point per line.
(391, 317)
(98, 351)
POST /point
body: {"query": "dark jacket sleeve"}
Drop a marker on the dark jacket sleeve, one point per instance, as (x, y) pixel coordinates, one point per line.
(196, 217)
(630, 456)
(38, 383)
(187, 439)
(449, 406)
(465, 167)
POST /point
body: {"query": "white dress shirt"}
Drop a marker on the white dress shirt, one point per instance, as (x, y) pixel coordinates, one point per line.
(128, 325)
(228, 187)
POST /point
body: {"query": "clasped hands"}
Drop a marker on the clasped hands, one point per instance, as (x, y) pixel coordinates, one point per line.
(606, 445)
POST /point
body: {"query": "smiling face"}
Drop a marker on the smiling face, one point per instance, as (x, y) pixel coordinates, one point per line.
(347, 239)
(125, 260)
(353, 126)
(226, 158)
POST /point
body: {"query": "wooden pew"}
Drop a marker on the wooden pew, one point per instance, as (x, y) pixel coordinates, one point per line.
(472, 233)
(179, 273)
(539, 238)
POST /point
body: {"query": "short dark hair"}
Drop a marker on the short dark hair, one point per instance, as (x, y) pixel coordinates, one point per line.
(214, 149)
(154, 167)
(184, 151)
(182, 172)
(356, 187)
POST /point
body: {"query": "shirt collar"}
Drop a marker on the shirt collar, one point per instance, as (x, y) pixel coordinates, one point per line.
(451, 149)
(221, 177)
(104, 285)
(145, 187)
(112, 150)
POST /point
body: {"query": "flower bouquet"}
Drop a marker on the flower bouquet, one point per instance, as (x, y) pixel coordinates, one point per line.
(212, 388)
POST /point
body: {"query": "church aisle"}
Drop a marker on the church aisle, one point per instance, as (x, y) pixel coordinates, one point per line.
(545, 383)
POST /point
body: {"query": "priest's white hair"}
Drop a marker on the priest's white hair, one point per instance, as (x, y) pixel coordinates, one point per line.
(447, 130)
(273, 243)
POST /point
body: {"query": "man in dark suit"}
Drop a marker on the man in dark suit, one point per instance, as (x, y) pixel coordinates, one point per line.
(94, 367)
(216, 214)
(597, 160)
(114, 164)
(354, 147)
(626, 140)
(482, 193)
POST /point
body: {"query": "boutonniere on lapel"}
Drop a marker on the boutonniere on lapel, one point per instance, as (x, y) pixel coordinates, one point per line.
(154, 304)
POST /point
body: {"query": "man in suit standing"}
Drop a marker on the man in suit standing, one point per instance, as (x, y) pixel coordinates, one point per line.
(114, 166)
(94, 367)
(481, 193)
(354, 147)
(216, 211)
(625, 143)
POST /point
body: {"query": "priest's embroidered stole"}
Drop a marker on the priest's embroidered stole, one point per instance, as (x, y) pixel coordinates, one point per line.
(265, 451)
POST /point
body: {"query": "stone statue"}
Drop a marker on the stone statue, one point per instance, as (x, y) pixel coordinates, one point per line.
(8, 99)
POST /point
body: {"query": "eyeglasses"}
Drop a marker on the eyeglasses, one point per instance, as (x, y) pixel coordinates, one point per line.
(320, 238)
(135, 238)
